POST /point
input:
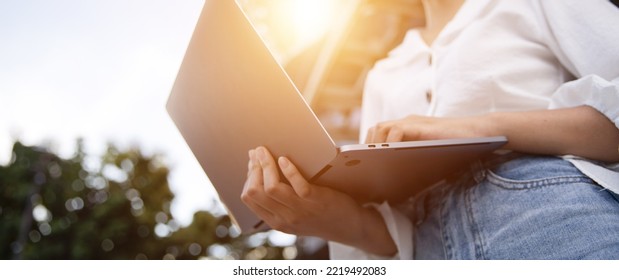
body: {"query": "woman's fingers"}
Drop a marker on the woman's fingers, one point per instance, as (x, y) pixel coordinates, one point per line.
(406, 129)
(269, 168)
(274, 202)
(301, 186)
(385, 132)
(254, 171)
(252, 189)
(262, 212)
(369, 138)
(270, 211)
(273, 187)
(254, 193)
(395, 134)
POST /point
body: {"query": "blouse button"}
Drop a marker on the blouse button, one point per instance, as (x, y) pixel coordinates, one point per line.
(429, 96)
(430, 59)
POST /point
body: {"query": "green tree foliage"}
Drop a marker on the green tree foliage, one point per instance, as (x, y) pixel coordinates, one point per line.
(112, 207)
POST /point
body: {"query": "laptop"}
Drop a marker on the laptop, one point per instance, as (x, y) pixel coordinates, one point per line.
(230, 96)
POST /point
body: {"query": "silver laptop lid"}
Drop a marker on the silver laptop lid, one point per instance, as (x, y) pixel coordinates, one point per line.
(230, 96)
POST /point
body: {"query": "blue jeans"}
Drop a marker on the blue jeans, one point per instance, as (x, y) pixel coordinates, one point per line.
(527, 208)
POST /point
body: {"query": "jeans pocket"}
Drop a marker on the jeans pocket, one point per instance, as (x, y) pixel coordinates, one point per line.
(535, 172)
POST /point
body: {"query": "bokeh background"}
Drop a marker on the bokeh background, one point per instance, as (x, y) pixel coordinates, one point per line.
(91, 166)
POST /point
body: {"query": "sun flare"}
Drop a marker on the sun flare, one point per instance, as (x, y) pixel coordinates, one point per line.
(311, 18)
(302, 22)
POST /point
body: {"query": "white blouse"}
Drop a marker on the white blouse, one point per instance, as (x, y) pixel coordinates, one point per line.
(497, 56)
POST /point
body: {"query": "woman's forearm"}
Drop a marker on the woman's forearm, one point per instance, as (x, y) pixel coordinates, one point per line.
(580, 131)
(375, 237)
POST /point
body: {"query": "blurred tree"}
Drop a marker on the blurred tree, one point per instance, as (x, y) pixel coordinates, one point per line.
(112, 207)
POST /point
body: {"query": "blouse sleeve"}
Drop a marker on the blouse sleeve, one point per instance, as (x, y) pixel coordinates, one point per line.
(400, 229)
(585, 37)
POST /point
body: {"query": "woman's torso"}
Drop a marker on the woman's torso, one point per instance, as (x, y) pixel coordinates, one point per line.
(491, 57)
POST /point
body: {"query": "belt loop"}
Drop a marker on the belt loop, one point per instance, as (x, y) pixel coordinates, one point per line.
(479, 171)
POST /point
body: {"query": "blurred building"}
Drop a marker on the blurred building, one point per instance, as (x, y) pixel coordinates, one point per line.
(331, 72)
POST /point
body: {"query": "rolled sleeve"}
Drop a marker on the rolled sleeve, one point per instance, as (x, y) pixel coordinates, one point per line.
(583, 36)
(593, 91)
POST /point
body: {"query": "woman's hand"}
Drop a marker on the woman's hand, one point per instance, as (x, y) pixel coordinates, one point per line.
(580, 131)
(413, 128)
(305, 209)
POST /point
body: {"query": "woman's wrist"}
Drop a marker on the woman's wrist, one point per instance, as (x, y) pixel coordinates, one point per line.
(364, 229)
(489, 125)
(374, 237)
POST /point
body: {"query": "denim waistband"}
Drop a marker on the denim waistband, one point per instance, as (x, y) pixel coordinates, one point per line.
(416, 207)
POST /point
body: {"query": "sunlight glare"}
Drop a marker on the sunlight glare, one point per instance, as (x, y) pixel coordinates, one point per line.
(309, 19)
(312, 17)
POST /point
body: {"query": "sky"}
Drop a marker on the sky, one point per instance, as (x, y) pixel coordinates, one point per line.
(102, 71)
